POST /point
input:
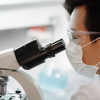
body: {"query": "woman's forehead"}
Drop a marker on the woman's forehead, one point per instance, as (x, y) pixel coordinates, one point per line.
(77, 19)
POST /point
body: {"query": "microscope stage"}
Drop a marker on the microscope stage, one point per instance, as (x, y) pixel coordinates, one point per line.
(13, 96)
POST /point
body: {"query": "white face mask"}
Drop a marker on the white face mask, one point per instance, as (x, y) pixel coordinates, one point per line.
(75, 54)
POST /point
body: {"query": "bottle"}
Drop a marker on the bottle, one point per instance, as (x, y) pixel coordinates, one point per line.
(53, 78)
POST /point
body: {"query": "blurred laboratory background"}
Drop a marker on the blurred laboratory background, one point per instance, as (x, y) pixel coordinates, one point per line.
(22, 21)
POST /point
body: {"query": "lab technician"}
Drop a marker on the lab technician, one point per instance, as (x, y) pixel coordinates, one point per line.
(83, 49)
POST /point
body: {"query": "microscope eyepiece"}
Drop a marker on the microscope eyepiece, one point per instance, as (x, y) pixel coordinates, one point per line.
(33, 54)
(51, 49)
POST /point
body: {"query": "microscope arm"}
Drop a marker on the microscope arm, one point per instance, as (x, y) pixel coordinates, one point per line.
(9, 67)
(8, 60)
(29, 85)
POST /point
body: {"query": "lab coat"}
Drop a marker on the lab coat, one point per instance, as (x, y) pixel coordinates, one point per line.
(90, 91)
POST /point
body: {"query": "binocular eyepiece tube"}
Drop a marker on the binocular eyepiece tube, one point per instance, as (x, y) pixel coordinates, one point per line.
(33, 54)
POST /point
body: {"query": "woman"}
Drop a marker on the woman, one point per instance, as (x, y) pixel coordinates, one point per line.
(83, 49)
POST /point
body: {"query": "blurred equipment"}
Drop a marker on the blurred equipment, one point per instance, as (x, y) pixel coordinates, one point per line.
(53, 80)
(27, 56)
(42, 34)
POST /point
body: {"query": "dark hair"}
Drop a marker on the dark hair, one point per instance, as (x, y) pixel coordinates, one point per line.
(92, 18)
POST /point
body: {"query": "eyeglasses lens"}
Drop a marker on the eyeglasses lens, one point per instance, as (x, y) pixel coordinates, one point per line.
(75, 38)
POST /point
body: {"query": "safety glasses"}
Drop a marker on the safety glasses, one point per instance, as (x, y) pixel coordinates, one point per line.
(78, 37)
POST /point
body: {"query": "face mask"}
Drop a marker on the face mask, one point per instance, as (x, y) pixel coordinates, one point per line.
(75, 54)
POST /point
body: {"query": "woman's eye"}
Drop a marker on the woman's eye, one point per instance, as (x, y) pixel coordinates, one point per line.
(74, 38)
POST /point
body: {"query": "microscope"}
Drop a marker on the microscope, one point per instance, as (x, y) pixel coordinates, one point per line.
(27, 56)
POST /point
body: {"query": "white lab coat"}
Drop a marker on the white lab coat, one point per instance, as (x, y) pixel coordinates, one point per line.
(90, 91)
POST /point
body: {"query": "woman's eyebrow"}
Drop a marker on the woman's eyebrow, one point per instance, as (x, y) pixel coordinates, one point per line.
(73, 29)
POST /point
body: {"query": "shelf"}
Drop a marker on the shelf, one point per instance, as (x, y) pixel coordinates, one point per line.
(17, 2)
(29, 14)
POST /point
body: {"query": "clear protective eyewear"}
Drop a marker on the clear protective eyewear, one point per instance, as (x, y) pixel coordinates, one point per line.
(78, 37)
